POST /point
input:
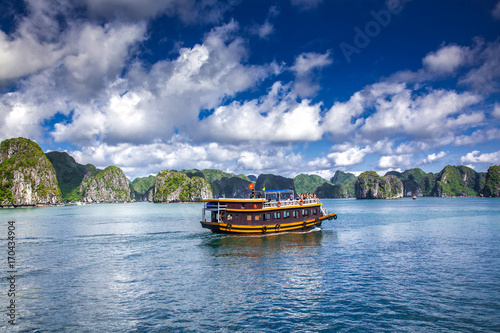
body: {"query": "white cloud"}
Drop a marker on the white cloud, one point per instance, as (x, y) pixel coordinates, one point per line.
(304, 67)
(144, 159)
(447, 59)
(189, 11)
(394, 161)
(351, 156)
(25, 55)
(342, 118)
(276, 117)
(496, 111)
(479, 136)
(263, 31)
(306, 62)
(384, 110)
(434, 157)
(484, 76)
(496, 12)
(170, 96)
(476, 157)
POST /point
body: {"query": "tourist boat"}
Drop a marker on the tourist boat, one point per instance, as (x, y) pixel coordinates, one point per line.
(274, 212)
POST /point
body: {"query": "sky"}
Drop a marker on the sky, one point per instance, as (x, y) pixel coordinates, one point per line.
(255, 86)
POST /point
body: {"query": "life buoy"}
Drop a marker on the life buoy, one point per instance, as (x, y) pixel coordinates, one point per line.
(229, 227)
(278, 227)
(279, 204)
(335, 216)
(254, 206)
(264, 229)
(316, 220)
(301, 202)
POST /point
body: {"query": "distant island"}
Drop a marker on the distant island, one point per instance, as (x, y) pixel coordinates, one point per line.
(29, 177)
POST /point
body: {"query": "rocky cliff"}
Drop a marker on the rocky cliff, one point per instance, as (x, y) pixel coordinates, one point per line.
(346, 180)
(369, 185)
(416, 182)
(329, 191)
(231, 187)
(69, 174)
(172, 186)
(142, 187)
(458, 181)
(492, 182)
(108, 185)
(273, 182)
(308, 183)
(27, 177)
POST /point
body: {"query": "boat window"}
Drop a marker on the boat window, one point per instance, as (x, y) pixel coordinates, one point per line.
(286, 214)
(257, 217)
(267, 216)
(277, 215)
(314, 212)
(249, 217)
(305, 212)
(294, 213)
(242, 206)
(229, 217)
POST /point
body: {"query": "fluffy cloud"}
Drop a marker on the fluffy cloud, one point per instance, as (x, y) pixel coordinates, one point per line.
(304, 67)
(142, 160)
(485, 75)
(476, 157)
(276, 117)
(189, 11)
(479, 136)
(25, 55)
(496, 111)
(447, 59)
(394, 161)
(170, 96)
(342, 155)
(397, 110)
(496, 12)
(434, 157)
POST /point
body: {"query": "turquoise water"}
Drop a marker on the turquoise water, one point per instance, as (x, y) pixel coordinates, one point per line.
(429, 265)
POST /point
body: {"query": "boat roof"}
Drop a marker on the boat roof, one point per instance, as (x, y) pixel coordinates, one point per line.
(274, 191)
(233, 200)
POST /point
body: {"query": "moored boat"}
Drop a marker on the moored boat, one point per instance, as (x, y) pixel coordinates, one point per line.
(274, 212)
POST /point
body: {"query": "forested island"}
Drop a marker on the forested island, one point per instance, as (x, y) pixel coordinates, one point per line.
(29, 177)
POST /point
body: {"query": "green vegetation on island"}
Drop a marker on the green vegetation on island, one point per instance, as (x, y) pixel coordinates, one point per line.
(27, 177)
(30, 177)
(173, 186)
(108, 185)
(492, 182)
(141, 187)
(308, 183)
(369, 185)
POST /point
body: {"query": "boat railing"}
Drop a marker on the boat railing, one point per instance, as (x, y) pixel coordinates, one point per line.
(286, 203)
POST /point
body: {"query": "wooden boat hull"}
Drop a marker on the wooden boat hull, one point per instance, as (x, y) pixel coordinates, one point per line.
(301, 226)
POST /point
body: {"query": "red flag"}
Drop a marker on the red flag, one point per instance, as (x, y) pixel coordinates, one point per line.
(251, 186)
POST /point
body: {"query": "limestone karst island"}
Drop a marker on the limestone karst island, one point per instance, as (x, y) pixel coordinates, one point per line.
(30, 177)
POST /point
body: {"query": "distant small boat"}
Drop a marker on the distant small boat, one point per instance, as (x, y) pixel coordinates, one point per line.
(275, 212)
(414, 197)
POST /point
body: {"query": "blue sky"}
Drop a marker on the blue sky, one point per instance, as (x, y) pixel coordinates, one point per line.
(283, 87)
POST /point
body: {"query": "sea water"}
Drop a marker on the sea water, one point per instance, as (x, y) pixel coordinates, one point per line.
(426, 265)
